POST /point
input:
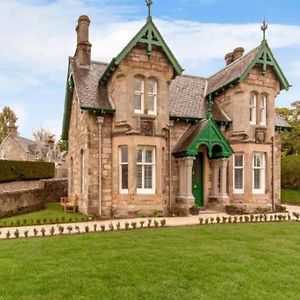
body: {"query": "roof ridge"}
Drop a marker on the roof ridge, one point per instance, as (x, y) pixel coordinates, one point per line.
(193, 76)
(234, 62)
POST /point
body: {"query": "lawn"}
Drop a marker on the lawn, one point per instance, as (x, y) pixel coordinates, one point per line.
(232, 261)
(53, 213)
(289, 196)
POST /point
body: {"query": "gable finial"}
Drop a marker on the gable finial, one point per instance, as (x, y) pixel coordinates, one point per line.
(149, 3)
(264, 28)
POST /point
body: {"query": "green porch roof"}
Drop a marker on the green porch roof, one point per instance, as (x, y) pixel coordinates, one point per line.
(207, 133)
(150, 36)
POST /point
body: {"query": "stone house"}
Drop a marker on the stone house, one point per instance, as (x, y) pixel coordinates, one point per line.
(15, 147)
(143, 136)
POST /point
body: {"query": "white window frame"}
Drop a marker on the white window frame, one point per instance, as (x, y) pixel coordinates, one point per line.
(235, 167)
(263, 110)
(154, 94)
(122, 163)
(144, 190)
(262, 168)
(139, 93)
(252, 118)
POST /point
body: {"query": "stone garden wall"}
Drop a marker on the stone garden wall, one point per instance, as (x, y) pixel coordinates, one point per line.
(30, 196)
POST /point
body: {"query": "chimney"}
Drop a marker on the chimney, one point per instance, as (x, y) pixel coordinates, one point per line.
(51, 142)
(238, 53)
(12, 129)
(229, 58)
(83, 50)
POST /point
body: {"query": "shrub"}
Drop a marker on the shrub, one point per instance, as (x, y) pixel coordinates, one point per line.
(70, 228)
(142, 223)
(18, 222)
(35, 232)
(45, 220)
(111, 227)
(24, 222)
(163, 222)
(77, 229)
(224, 219)
(133, 224)
(149, 222)
(61, 229)
(296, 215)
(43, 231)
(11, 170)
(102, 228)
(218, 219)
(95, 227)
(26, 233)
(7, 234)
(52, 230)
(87, 229)
(156, 223)
(16, 233)
(201, 221)
(126, 226)
(118, 226)
(290, 172)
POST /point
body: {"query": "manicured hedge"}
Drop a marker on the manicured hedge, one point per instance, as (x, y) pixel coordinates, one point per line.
(290, 172)
(11, 170)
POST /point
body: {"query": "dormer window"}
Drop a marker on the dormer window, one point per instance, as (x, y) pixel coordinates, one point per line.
(145, 95)
(262, 110)
(253, 109)
(138, 95)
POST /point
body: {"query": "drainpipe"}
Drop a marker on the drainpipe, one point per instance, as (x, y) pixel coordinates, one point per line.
(273, 175)
(170, 165)
(100, 122)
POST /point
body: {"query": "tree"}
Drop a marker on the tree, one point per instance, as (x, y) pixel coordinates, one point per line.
(62, 145)
(42, 136)
(7, 116)
(291, 139)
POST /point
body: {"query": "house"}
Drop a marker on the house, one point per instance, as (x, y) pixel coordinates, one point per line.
(144, 137)
(15, 147)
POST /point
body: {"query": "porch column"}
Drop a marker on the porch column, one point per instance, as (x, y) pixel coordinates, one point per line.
(215, 178)
(223, 179)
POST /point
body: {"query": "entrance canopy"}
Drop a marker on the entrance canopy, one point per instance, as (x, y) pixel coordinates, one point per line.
(207, 133)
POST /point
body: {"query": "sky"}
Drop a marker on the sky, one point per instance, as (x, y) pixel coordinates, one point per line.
(38, 36)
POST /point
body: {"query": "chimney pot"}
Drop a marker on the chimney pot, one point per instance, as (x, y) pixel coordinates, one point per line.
(229, 58)
(12, 129)
(238, 53)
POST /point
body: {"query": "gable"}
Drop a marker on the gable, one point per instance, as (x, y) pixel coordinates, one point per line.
(149, 36)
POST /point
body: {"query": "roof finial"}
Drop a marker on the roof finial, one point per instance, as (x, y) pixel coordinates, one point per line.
(264, 27)
(149, 3)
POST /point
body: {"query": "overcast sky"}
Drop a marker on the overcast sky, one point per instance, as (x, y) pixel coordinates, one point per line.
(37, 36)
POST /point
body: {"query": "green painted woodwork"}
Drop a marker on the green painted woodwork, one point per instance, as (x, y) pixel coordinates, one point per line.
(266, 58)
(197, 179)
(210, 136)
(150, 36)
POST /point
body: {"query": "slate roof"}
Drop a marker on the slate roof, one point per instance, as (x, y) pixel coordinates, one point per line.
(232, 71)
(26, 144)
(86, 81)
(280, 122)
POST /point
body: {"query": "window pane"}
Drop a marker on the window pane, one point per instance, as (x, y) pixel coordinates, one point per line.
(238, 160)
(152, 87)
(139, 176)
(138, 102)
(124, 177)
(238, 178)
(149, 156)
(138, 84)
(124, 154)
(148, 177)
(257, 179)
(139, 155)
(151, 101)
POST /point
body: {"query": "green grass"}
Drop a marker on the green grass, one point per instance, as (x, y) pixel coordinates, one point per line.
(232, 261)
(53, 211)
(289, 196)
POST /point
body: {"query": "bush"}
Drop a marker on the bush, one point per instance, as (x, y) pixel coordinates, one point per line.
(290, 172)
(11, 170)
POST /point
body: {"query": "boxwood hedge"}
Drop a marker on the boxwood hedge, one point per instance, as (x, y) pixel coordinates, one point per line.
(290, 172)
(11, 170)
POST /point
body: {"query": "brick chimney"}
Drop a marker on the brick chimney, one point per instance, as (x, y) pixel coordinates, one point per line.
(238, 53)
(83, 50)
(12, 129)
(229, 58)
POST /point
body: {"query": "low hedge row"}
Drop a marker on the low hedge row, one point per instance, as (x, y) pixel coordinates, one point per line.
(290, 172)
(12, 170)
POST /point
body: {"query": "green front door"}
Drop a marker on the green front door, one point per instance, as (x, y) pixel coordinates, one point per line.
(197, 181)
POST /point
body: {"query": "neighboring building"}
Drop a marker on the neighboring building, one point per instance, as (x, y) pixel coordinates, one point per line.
(15, 147)
(144, 137)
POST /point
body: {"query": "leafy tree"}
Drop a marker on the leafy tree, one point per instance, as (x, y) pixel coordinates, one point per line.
(62, 145)
(7, 116)
(291, 139)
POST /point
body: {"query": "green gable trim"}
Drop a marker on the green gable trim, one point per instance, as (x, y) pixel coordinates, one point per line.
(266, 58)
(99, 111)
(210, 136)
(150, 36)
(283, 128)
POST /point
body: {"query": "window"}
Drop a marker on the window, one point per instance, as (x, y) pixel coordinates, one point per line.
(145, 170)
(238, 173)
(138, 95)
(262, 110)
(253, 109)
(81, 172)
(123, 169)
(258, 180)
(145, 89)
(152, 95)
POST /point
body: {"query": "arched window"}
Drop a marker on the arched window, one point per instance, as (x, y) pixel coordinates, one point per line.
(263, 110)
(81, 171)
(253, 108)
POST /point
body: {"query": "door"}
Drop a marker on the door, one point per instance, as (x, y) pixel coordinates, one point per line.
(197, 188)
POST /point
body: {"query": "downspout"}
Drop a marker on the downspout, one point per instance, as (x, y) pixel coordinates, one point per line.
(170, 166)
(100, 122)
(273, 175)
